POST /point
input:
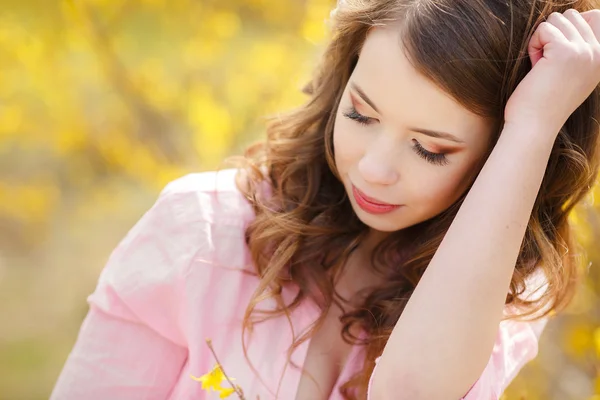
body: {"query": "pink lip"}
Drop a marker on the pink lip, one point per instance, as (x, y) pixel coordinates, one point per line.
(371, 205)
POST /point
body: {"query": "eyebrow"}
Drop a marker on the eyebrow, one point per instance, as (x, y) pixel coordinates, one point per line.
(364, 96)
(434, 134)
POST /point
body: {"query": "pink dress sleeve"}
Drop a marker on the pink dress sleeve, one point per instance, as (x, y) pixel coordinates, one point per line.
(132, 343)
(516, 344)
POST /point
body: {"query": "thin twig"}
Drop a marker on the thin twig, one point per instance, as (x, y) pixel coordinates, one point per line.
(237, 389)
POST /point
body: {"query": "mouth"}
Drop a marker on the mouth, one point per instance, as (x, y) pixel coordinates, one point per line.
(372, 205)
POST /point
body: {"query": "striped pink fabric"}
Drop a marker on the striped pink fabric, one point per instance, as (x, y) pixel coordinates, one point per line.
(181, 275)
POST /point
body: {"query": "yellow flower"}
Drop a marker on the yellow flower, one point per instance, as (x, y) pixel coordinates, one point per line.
(597, 341)
(226, 392)
(213, 379)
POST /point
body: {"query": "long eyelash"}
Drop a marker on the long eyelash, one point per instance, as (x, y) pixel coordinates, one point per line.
(356, 116)
(434, 158)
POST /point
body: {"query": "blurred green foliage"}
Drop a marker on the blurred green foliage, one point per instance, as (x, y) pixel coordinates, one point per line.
(102, 102)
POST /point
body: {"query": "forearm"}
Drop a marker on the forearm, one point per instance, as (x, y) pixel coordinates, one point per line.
(445, 335)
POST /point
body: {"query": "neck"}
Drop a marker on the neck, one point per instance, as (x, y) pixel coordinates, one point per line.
(372, 239)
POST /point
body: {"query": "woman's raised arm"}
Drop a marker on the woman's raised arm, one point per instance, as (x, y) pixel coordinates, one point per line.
(444, 338)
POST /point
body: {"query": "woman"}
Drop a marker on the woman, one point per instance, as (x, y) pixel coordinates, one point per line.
(403, 235)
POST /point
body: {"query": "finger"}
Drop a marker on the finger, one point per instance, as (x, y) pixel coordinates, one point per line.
(592, 17)
(565, 26)
(544, 34)
(581, 25)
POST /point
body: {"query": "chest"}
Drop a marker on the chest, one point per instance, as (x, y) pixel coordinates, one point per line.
(325, 363)
(325, 360)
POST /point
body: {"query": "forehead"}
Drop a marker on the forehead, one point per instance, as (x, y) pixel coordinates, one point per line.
(405, 96)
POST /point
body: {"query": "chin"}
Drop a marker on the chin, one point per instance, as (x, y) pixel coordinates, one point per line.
(381, 222)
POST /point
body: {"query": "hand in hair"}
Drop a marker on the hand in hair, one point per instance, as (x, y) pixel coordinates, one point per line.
(565, 55)
(453, 314)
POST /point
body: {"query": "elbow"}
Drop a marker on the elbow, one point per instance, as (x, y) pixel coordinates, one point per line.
(397, 387)
(401, 386)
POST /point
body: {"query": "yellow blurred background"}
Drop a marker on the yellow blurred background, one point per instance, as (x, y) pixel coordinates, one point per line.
(102, 102)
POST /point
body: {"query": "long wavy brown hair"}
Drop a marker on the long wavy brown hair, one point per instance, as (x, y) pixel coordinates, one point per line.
(303, 233)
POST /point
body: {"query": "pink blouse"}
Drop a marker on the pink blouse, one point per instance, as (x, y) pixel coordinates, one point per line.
(177, 278)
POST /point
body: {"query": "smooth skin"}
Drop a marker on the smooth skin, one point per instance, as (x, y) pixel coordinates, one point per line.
(441, 325)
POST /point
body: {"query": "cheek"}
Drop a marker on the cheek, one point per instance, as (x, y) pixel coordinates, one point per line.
(443, 189)
(347, 144)
(439, 191)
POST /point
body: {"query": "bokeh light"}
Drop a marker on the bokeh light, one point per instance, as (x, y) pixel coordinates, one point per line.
(102, 102)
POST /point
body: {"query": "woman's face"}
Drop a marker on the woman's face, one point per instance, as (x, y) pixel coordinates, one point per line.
(401, 140)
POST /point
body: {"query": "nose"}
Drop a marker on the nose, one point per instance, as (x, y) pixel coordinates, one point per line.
(378, 165)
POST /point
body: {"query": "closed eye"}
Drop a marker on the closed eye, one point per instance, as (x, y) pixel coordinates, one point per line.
(433, 158)
(358, 117)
